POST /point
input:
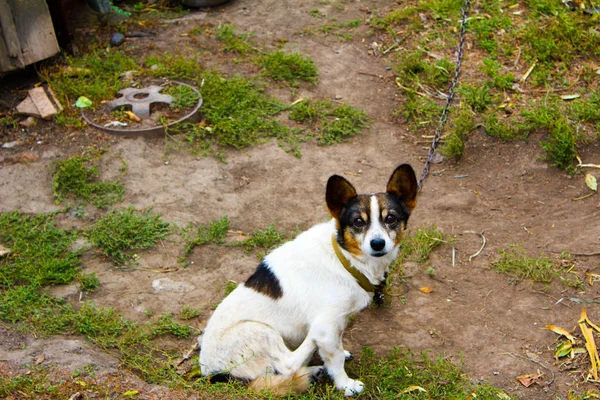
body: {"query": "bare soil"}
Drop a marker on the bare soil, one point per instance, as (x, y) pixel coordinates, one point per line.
(502, 190)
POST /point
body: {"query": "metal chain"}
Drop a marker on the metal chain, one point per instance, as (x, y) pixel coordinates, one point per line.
(444, 117)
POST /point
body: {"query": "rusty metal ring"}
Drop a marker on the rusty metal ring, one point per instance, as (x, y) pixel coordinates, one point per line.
(154, 131)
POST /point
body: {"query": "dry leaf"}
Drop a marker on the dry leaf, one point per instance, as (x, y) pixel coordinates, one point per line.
(75, 396)
(590, 343)
(529, 379)
(568, 97)
(412, 389)
(426, 289)
(4, 251)
(560, 331)
(40, 359)
(132, 116)
(591, 182)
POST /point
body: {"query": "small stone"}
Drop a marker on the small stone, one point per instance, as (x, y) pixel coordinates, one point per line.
(437, 158)
(29, 122)
(10, 145)
(168, 285)
(154, 67)
(117, 39)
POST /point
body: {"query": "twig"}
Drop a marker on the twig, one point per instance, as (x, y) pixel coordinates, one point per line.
(524, 77)
(368, 74)
(392, 47)
(453, 256)
(483, 240)
(584, 197)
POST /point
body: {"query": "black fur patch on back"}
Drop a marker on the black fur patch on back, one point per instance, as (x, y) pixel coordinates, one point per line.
(264, 281)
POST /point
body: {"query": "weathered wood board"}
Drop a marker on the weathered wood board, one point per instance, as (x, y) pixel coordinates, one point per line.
(26, 33)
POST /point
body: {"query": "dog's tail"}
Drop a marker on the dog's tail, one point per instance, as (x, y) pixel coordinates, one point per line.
(283, 385)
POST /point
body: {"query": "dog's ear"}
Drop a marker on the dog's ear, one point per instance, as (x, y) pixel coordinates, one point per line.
(403, 184)
(338, 194)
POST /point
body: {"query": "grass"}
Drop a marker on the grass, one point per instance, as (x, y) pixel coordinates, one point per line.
(234, 42)
(214, 232)
(74, 178)
(188, 312)
(419, 246)
(122, 231)
(547, 34)
(95, 75)
(292, 68)
(331, 124)
(183, 96)
(462, 123)
(264, 239)
(519, 266)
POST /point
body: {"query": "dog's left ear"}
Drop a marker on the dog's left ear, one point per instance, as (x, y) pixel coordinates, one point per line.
(403, 184)
(338, 194)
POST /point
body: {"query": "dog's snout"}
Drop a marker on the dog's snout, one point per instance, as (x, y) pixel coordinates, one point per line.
(377, 244)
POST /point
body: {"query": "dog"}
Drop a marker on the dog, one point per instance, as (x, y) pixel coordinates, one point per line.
(303, 293)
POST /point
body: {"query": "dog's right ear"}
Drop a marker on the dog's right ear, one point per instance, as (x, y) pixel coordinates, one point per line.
(338, 194)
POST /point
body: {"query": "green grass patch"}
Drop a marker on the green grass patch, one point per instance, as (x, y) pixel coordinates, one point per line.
(95, 75)
(398, 374)
(213, 232)
(122, 231)
(183, 96)
(264, 239)
(234, 42)
(40, 252)
(331, 124)
(73, 178)
(561, 145)
(419, 246)
(462, 123)
(289, 67)
(479, 98)
(188, 312)
(515, 263)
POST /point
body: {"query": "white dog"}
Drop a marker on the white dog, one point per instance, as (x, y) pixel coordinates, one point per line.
(302, 294)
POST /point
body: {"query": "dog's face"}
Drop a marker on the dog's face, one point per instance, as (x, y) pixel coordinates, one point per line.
(372, 225)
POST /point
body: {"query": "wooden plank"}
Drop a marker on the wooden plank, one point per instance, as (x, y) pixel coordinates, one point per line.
(42, 102)
(10, 47)
(34, 29)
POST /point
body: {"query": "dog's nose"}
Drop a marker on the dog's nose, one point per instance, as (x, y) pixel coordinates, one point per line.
(377, 244)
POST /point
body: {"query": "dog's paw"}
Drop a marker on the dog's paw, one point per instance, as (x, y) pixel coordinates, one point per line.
(348, 356)
(317, 373)
(353, 387)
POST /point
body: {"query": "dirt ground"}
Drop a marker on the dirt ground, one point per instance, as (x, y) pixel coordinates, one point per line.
(499, 189)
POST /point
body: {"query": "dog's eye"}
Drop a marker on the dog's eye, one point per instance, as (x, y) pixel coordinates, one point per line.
(359, 222)
(390, 219)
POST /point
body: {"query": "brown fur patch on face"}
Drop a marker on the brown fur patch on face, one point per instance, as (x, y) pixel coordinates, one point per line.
(351, 243)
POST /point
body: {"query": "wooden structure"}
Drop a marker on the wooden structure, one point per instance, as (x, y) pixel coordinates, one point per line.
(26, 33)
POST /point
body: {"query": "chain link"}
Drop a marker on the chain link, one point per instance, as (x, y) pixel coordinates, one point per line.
(444, 117)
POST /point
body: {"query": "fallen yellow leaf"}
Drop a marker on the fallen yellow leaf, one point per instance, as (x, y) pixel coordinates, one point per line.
(560, 331)
(426, 289)
(590, 343)
(412, 389)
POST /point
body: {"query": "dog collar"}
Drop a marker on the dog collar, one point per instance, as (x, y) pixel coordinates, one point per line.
(360, 278)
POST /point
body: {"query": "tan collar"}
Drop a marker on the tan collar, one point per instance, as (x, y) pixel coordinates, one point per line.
(360, 278)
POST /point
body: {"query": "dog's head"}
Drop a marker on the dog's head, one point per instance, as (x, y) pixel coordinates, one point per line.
(372, 224)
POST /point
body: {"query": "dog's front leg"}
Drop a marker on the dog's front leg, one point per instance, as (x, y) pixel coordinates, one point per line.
(331, 350)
